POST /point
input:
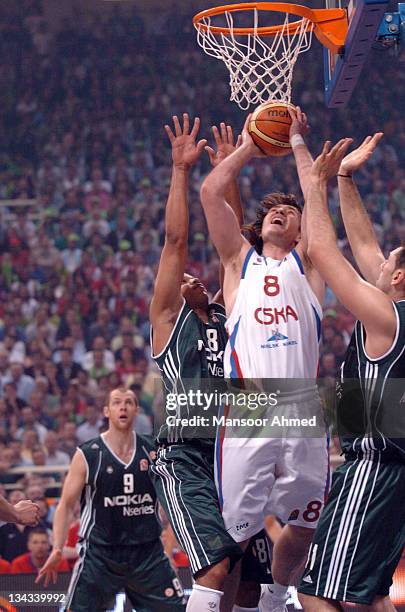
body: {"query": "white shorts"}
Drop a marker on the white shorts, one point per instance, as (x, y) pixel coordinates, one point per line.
(284, 477)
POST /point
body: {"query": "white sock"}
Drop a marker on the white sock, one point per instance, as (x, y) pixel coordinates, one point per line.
(239, 609)
(203, 599)
(277, 591)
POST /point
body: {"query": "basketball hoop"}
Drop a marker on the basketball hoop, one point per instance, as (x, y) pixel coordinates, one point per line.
(261, 59)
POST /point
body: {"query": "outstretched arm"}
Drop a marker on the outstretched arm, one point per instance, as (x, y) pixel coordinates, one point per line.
(367, 303)
(303, 160)
(64, 515)
(359, 229)
(225, 146)
(167, 300)
(222, 222)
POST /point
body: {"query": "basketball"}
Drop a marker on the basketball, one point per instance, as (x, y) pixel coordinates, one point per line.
(269, 127)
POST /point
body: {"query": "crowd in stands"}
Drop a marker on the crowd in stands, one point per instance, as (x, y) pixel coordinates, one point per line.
(82, 112)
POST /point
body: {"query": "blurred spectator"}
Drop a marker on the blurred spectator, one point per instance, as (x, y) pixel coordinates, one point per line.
(103, 326)
(327, 365)
(72, 255)
(66, 369)
(24, 384)
(39, 548)
(54, 456)
(68, 437)
(91, 426)
(100, 355)
(30, 423)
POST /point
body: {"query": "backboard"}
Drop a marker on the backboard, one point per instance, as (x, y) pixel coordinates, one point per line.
(342, 71)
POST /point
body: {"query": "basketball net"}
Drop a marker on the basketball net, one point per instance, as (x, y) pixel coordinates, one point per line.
(260, 67)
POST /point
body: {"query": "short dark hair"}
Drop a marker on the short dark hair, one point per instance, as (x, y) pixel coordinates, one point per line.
(38, 530)
(401, 257)
(123, 390)
(254, 230)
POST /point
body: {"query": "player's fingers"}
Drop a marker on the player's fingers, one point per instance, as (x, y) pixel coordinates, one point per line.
(201, 145)
(54, 576)
(326, 147)
(217, 137)
(342, 145)
(223, 132)
(196, 127)
(346, 144)
(246, 124)
(292, 112)
(239, 140)
(186, 124)
(229, 132)
(177, 128)
(366, 140)
(376, 138)
(169, 133)
(211, 153)
(342, 149)
(39, 578)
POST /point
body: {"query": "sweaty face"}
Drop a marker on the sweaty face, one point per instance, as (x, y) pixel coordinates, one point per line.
(194, 292)
(388, 271)
(122, 409)
(282, 224)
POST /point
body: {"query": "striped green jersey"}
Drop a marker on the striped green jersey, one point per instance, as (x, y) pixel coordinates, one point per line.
(118, 502)
(192, 360)
(371, 396)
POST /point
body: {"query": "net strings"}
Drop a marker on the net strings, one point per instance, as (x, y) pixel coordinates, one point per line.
(260, 68)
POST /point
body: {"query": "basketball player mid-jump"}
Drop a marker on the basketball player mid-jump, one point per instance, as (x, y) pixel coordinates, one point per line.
(272, 280)
(188, 339)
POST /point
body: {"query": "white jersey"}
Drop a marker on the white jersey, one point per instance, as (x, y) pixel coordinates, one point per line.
(274, 327)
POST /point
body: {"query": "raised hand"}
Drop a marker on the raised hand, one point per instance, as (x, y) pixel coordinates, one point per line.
(328, 162)
(224, 142)
(299, 123)
(355, 159)
(185, 150)
(27, 513)
(50, 568)
(248, 142)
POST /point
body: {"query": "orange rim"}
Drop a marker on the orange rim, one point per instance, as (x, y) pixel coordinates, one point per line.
(330, 25)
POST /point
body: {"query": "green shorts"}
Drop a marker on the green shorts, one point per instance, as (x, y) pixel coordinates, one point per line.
(144, 573)
(361, 533)
(183, 475)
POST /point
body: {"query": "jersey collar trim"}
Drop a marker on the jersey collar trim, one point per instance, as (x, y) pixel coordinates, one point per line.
(116, 456)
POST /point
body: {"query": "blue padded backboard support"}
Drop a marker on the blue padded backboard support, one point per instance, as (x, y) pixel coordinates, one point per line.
(365, 17)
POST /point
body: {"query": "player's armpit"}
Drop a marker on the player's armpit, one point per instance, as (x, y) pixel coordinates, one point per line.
(314, 278)
(167, 300)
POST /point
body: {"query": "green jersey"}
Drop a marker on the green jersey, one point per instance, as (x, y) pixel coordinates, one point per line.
(118, 502)
(192, 362)
(371, 396)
